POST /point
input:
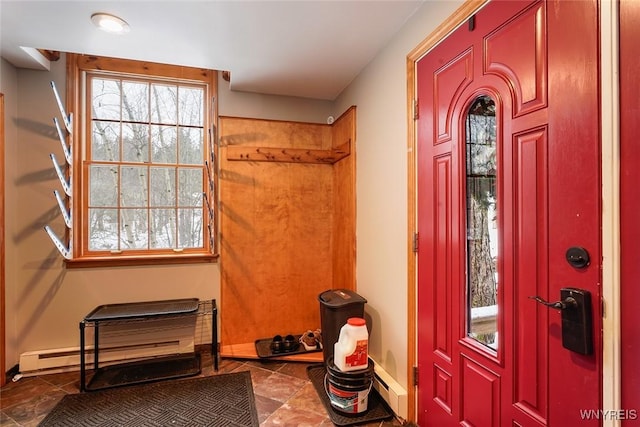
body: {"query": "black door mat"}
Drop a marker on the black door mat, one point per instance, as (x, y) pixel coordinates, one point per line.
(224, 400)
(144, 371)
(263, 348)
(377, 408)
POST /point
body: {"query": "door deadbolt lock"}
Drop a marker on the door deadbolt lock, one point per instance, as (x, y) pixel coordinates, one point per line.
(575, 309)
(577, 257)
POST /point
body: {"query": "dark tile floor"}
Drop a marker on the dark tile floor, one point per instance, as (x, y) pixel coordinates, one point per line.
(284, 395)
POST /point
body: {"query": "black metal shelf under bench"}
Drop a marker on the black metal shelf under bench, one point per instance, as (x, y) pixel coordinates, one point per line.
(147, 370)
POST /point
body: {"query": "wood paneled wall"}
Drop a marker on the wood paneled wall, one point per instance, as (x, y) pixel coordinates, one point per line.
(287, 226)
(344, 204)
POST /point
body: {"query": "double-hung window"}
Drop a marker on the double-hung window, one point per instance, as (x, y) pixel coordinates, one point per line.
(144, 161)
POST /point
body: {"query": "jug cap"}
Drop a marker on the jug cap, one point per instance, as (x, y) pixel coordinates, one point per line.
(356, 321)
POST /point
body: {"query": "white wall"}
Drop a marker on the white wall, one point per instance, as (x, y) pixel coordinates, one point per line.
(380, 92)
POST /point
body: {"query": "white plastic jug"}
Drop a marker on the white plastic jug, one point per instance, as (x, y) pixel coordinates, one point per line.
(351, 352)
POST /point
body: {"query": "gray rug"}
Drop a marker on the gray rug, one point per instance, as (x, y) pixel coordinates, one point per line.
(219, 400)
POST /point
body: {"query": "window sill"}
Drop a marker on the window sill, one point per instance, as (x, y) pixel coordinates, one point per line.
(136, 260)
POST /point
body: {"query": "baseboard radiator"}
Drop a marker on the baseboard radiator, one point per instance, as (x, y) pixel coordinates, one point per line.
(125, 343)
(391, 391)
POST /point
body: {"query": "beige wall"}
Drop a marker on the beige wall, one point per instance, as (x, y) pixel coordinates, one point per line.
(50, 300)
(259, 106)
(45, 301)
(380, 92)
(9, 86)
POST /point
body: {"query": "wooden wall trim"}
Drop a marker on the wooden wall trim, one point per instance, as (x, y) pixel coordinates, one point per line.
(450, 24)
(344, 203)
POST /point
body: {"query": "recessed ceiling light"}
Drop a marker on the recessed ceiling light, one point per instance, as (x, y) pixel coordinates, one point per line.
(110, 23)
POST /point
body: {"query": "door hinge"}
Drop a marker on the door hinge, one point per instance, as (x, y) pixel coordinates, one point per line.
(415, 241)
(415, 376)
(416, 114)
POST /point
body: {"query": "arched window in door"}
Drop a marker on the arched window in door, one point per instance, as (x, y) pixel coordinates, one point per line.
(481, 222)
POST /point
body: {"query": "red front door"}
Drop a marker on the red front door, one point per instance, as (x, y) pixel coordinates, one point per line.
(508, 182)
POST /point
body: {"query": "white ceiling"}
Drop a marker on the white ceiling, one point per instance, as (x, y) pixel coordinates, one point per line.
(310, 49)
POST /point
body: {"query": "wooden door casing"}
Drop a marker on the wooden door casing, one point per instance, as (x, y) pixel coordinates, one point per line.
(629, 208)
(518, 53)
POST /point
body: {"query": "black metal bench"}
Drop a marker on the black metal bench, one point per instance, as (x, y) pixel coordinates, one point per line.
(146, 370)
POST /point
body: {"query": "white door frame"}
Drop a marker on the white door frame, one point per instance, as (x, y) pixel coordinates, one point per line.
(610, 134)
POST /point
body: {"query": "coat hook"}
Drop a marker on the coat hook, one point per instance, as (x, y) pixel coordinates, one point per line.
(268, 155)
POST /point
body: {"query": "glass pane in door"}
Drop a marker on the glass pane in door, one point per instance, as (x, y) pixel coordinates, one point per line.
(481, 222)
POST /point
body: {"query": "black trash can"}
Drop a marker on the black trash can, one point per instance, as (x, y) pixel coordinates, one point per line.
(336, 306)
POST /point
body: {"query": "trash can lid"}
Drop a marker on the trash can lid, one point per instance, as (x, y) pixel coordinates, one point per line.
(340, 298)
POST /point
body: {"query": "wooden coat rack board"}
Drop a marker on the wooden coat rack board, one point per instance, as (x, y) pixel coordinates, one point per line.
(290, 155)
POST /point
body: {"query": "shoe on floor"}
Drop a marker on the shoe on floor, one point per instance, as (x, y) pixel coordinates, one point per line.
(308, 340)
(276, 344)
(318, 336)
(290, 344)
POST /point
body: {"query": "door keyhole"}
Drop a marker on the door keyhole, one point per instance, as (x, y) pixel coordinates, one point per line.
(577, 257)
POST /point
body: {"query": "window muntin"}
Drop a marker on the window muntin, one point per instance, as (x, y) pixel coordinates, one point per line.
(482, 222)
(146, 164)
(141, 162)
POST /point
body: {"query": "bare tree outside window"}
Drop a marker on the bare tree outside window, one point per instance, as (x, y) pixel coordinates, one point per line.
(482, 224)
(146, 165)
